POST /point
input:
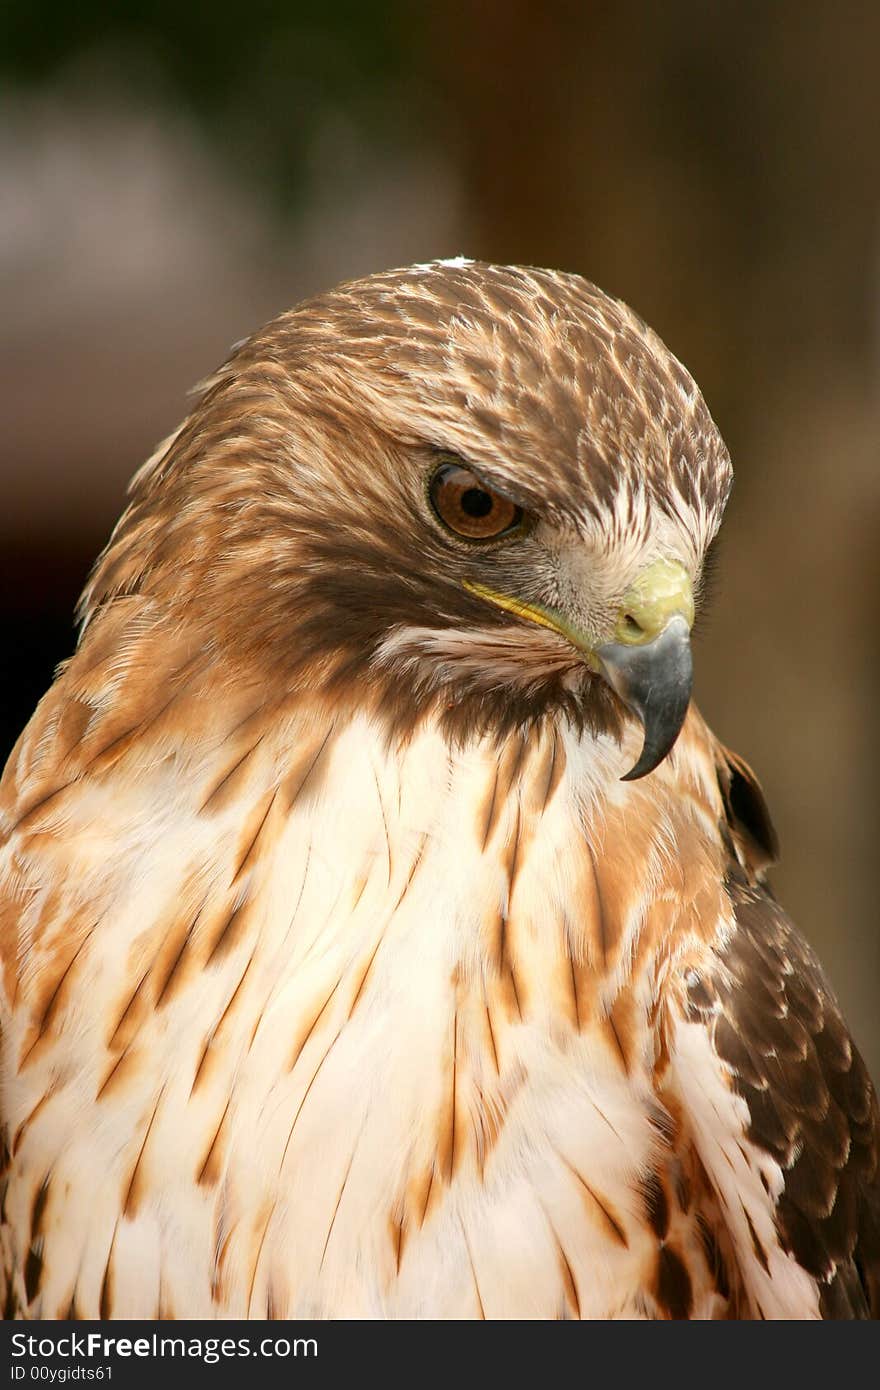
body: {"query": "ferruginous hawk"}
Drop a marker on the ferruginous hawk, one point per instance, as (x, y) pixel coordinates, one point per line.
(383, 935)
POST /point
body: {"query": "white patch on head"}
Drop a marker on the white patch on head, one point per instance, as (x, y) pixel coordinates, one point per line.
(633, 531)
(450, 262)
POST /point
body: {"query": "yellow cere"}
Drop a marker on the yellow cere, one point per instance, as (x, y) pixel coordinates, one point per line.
(661, 592)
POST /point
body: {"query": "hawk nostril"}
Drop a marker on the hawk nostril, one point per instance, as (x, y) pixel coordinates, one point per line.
(631, 628)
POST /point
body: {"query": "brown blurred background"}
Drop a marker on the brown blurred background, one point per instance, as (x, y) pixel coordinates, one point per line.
(172, 176)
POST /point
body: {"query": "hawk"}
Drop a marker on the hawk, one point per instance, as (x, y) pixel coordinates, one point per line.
(384, 934)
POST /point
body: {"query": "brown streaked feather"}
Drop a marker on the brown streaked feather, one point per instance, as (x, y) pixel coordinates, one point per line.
(33, 1272)
(627, 1027)
(303, 774)
(233, 928)
(612, 1222)
(49, 1003)
(263, 1222)
(122, 1071)
(227, 789)
(449, 1127)
(774, 1021)
(336, 1210)
(673, 1289)
(32, 1115)
(213, 1045)
(569, 1282)
(311, 1019)
(253, 831)
(397, 1234)
(656, 1205)
(211, 1167)
(548, 775)
(133, 1013)
(175, 960)
(134, 1187)
(490, 1032)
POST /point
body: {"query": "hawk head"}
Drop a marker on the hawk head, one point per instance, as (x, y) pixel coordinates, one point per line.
(477, 493)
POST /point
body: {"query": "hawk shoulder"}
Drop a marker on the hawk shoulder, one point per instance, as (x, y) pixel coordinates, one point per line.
(783, 1110)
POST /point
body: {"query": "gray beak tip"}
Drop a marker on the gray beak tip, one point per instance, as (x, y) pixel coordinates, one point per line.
(654, 680)
(646, 763)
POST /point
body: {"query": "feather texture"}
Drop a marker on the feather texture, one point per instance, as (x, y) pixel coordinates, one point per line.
(342, 976)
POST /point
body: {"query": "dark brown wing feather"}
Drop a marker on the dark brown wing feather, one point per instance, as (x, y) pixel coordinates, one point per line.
(776, 1023)
(747, 817)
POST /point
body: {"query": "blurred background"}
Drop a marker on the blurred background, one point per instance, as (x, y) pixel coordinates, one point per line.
(173, 175)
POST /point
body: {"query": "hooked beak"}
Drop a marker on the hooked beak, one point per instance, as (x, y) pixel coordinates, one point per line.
(654, 680)
(648, 661)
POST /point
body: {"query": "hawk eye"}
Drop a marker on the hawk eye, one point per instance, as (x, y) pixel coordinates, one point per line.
(468, 508)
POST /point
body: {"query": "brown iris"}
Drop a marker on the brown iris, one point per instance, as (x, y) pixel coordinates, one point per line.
(468, 508)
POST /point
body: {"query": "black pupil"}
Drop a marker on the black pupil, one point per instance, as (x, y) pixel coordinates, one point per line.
(476, 502)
